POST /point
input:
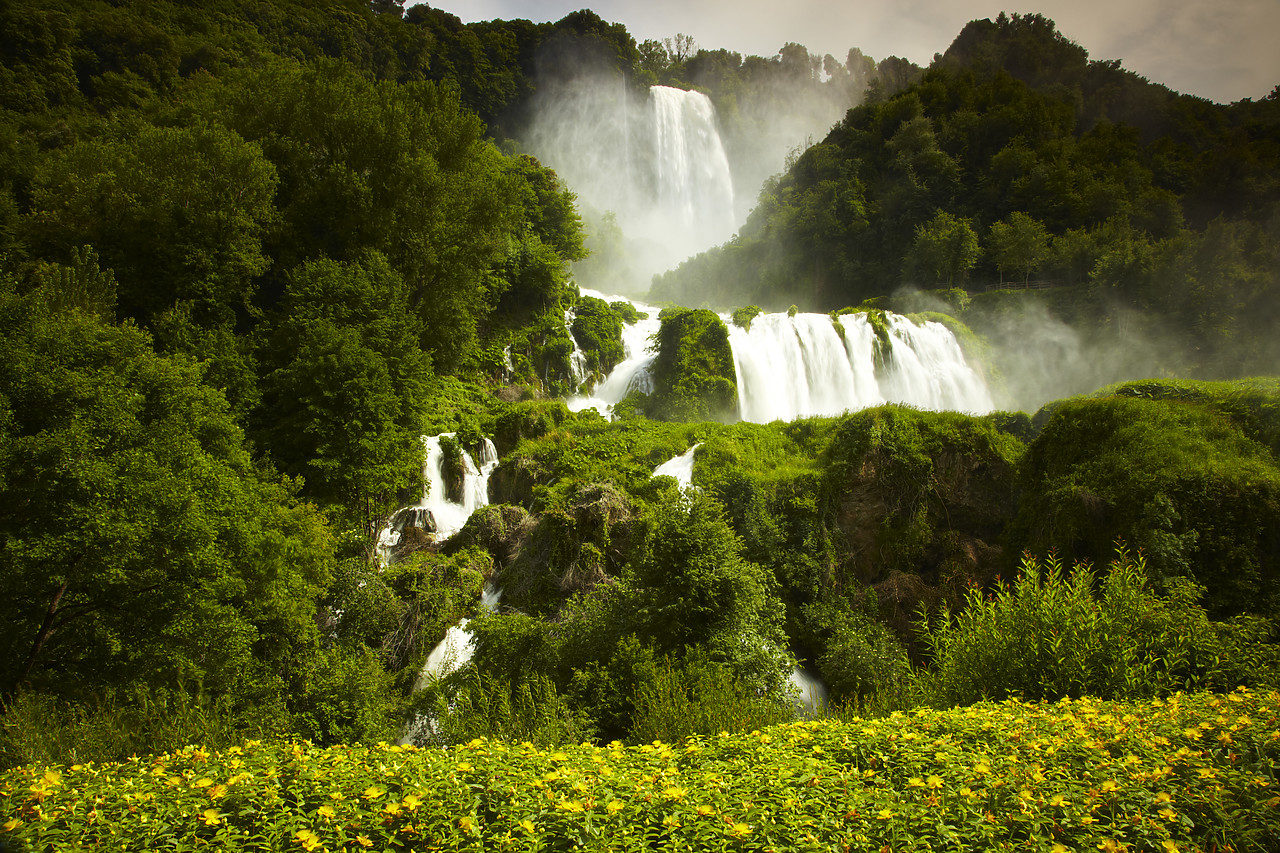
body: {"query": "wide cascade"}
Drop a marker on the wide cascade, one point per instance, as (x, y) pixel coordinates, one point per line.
(809, 364)
(802, 365)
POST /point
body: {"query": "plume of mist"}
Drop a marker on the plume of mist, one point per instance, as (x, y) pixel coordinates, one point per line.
(612, 141)
(1042, 357)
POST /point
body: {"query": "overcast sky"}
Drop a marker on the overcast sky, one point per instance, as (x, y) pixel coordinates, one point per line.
(1223, 50)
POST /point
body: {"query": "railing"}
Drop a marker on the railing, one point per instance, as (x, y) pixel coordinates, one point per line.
(1033, 284)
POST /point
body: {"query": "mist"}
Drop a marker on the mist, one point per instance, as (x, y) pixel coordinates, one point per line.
(660, 173)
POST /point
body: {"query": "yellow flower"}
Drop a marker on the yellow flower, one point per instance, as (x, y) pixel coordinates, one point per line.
(1169, 847)
(1164, 797)
(614, 806)
(211, 817)
(308, 839)
(464, 766)
(570, 806)
(217, 791)
(740, 829)
(527, 826)
(1059, 800)
(1168, 814)
(982, 767)
(674, 793)
(884, 814)
(373, 792)
(325, 812)
(934, 781)
(364, 841)
(467, 822)
(915, 782)
(202, 783)
(705, 810)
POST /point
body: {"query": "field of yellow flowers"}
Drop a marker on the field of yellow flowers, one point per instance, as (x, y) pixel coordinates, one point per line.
(1191, 772)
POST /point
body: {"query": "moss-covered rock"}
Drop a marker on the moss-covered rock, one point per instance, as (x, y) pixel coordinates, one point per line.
(597, 328)
(693, 374)
(921, 500)
(1183, 481)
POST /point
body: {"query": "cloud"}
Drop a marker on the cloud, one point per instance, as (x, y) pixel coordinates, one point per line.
(1219, 50)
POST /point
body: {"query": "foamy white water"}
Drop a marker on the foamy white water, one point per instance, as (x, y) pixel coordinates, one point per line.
(802, 366)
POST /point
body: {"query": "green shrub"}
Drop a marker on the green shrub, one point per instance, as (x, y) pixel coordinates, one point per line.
(743, 316)
(1053, 634)
(694, 375)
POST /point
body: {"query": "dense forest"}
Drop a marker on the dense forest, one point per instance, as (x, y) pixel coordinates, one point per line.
(251, 251)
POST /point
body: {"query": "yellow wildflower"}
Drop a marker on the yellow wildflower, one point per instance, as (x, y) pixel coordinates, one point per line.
(740, 829)
(211, 817)
(373, 792)
(527, 826)
(614, 806)
(308, 839)
(325, 812)
(934, 781)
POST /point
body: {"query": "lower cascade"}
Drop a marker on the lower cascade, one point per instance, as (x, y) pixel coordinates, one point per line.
(791, 366)
(804, 365)
(437, 513)
(440, 515)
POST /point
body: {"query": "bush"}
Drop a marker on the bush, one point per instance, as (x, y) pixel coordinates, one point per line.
(1053, 634)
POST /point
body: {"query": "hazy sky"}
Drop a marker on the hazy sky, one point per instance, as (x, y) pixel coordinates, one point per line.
(1223, 50)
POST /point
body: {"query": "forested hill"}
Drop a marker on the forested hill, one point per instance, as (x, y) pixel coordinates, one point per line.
(251, 251)
(1014, 157)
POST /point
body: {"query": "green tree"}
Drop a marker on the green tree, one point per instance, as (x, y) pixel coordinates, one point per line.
(138, 542)
(345, 394)
(1018, 244)
(177, 213)
(945, 248)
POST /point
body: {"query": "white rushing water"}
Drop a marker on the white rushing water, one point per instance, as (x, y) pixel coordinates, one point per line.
(801, 366)
(630, 374)
(657, 162)
(680, 467)
(436, 512)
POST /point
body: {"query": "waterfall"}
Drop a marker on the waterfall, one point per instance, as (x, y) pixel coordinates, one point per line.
(680, 467)
(694, 187)
(630, 374)
(657, 163)
(436, 513)
(577, 361)
(798, 366)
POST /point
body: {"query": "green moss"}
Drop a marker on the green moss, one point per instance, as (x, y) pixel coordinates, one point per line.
(1182, 480)
(597, 327)
(694, 376)
(743, 316)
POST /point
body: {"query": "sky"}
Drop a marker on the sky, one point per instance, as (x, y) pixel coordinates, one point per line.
(1223, 50)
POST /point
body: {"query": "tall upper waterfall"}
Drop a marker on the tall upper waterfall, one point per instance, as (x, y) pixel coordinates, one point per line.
(695, 189)
(656, 161)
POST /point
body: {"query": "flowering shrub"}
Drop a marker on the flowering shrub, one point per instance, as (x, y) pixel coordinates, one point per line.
(1191, 772)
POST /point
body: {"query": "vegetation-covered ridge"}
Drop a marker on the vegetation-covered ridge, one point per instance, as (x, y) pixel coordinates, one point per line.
(1015, 160)
(1191, 773)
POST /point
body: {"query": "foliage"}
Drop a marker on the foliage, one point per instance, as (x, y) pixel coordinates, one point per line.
(345, 392)
(743, 316)
(141, 545)
(1178, 479)
(693, 373)
(1053, 634)
(1191, 772)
